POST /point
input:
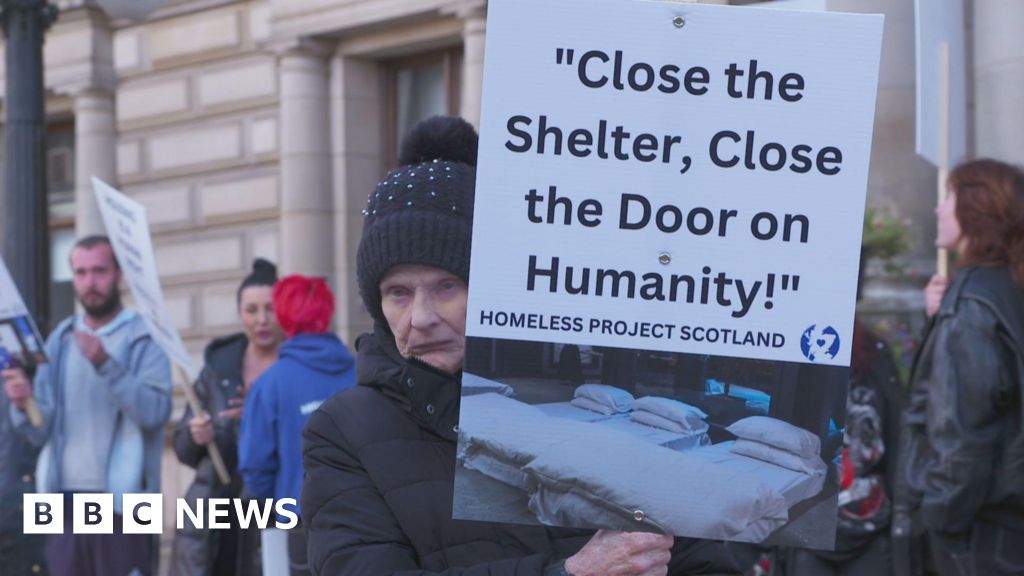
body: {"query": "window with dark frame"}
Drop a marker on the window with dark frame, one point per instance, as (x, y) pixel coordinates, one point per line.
(416, 88)
(60, 194)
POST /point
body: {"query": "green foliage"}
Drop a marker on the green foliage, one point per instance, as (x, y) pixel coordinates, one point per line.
(885, 237)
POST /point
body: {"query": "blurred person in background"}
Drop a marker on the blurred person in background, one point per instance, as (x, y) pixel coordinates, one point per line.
(962, 462)
(232, 365)
(313, 365)
(380, 457)
(104, 396)
(867, 468)
(20, 554)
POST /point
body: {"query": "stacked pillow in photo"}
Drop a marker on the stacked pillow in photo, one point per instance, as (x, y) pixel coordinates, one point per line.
(780, 443)
(668, 414)
(603, 399)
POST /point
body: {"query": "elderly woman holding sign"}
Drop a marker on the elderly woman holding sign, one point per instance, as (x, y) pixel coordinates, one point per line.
(380, 457)
(963, 456)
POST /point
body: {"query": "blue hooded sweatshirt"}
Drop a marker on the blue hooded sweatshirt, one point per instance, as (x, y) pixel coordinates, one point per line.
(310, 369)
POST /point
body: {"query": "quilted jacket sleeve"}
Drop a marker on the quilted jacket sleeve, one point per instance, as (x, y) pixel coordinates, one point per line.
(350, 528)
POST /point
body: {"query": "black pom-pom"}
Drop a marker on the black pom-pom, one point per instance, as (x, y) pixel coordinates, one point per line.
(440, 138)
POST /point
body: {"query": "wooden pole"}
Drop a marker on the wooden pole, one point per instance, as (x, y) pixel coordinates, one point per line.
(33, 413)
(942, 264)
(211, 448)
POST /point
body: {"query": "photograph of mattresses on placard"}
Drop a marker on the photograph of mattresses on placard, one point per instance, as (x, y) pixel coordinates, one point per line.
(20, 343)
(703, 446)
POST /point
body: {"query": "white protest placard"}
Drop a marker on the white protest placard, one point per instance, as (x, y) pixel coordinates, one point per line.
(666, 243)
(11, 302)
(20, 341)
(128, 229)
(678, 177)
(21, 344)
(938, 23)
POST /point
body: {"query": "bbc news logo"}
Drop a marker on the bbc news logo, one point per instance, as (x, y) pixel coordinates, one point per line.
(144, 513)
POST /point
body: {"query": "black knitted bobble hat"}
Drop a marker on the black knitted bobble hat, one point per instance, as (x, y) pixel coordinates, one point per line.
(421, 213)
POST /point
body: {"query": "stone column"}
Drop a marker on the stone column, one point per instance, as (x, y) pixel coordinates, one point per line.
(474, 28)
(95, 155)
(357, 109)
(307, 239)
(998, 79)
(900, 182)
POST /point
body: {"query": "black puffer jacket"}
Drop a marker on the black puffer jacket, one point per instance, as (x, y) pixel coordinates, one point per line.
(201, 552)
(380, 467)
(963, 459)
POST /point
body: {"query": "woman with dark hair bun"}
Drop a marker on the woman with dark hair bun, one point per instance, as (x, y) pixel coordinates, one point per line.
(232, 364)
(963, 459)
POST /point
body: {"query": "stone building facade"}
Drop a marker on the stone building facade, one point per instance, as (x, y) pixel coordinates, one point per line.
(256, 128)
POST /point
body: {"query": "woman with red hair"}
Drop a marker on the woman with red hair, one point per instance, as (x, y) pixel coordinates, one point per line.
(313, 365)
(963, 461)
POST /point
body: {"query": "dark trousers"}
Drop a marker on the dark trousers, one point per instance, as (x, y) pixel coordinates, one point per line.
(298, 560)
(874, 560)
(991, 550)
(114, 554)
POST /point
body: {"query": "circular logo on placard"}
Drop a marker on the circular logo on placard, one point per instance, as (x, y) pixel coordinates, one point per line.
(819, 345)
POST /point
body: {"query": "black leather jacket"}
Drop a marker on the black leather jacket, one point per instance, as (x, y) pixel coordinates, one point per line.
(196, 551)
(963, 459)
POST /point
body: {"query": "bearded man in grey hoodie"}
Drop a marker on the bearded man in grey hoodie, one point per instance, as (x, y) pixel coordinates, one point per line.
(104, 396)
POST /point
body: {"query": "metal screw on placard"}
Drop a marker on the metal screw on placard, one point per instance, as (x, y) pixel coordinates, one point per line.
(639, 515)
(679, 21)
(665, 258)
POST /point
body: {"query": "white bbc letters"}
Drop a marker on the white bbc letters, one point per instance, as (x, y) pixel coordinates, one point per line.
(289, 513)
(43, 513)
(92, 514)
(219, 508)
(142, 514)
(183, 509)
(253, 511)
